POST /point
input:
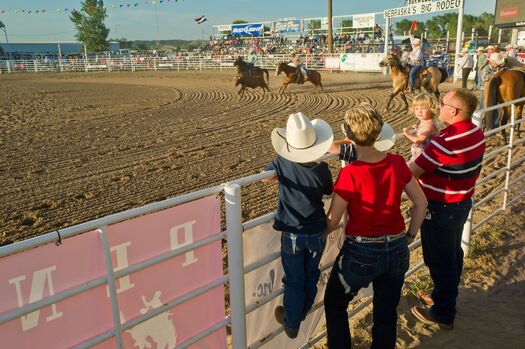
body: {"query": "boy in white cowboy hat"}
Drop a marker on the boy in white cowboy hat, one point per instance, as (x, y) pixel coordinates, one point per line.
(300, 214)
(376, 246)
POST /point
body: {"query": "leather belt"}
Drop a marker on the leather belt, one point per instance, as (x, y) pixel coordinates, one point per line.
(376, 239)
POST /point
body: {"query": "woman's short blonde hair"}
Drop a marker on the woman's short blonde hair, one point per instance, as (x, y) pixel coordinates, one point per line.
(365, 124)
(424, 100)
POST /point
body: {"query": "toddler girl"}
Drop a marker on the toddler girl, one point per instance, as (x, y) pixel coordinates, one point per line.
(423, 107)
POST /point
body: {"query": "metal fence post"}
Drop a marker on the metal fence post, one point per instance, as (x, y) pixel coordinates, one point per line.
(232, 198)
(111, 285)
(8, 63)
(467, 230)
(509, 157)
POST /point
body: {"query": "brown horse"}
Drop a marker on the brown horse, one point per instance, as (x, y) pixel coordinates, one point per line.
(504, 86)
(242, 69)
(428, 78)
(252, 82)
(291, 76)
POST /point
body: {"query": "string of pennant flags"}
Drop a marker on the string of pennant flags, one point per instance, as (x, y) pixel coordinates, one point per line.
(114, 6)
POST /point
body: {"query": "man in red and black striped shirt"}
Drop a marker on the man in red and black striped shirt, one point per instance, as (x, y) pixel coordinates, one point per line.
(447, 171)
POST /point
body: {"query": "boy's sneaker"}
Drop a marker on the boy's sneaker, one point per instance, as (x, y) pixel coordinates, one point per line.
(425, 298)
(279, 316)
(424, 316)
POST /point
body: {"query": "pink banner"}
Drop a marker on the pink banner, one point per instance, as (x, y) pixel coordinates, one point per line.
(38, 273)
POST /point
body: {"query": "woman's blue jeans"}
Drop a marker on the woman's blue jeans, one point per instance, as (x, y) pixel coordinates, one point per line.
(442, 253)
(300, 256)
(357, 265)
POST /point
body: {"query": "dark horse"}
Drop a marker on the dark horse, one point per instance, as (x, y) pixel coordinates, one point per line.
(253, 80)
(429, 78)
(291, 76)
(242, 69)
(504, 86)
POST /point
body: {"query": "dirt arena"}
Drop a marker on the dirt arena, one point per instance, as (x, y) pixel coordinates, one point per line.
(76, 147)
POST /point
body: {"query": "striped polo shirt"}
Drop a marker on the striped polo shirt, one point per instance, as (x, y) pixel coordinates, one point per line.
(452, 162)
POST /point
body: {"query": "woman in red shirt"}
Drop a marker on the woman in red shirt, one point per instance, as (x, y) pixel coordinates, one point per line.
(376, 246)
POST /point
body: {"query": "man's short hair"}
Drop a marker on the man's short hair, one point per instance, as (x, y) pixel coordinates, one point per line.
(365, 123)
(468, 99)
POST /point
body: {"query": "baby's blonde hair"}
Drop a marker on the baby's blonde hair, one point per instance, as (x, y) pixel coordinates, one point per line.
(365, 124)
(424, 100)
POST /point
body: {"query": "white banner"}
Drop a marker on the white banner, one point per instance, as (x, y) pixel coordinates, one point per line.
(422, 8)
(368, 62)
(332, 62)
(364, 21)
(260, 242)
(224, 27)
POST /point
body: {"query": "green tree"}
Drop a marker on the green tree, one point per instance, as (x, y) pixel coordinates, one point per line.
(347, 25)
(89, 23)
(403, 26)
(314, 24)
(239, 21)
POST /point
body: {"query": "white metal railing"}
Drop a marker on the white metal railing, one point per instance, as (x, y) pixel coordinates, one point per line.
(195, 62)
(236, 268)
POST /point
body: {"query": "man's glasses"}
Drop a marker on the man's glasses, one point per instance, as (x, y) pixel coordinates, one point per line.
(441, 103)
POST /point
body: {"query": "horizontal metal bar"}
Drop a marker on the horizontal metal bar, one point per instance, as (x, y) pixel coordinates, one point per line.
(488, 197)
(263, 261)
(168, 255)
(165, 307)
(111, 219)
(416, 268)
(57, 297)
(204, 333)
(519, 179)
(519, 142)
(491, 176)
(517, 161)
(488, 218)
(95, 340)
(515, 198)
(495, 152)
(492, 132)
(506, 104)
(258, 221)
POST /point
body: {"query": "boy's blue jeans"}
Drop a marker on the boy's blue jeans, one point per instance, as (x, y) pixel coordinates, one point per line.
(412, 76)
(300, 256)
(383, 264)
(442, 253)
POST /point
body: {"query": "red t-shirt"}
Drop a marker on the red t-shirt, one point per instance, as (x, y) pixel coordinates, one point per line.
(452, 163)
(373, 192)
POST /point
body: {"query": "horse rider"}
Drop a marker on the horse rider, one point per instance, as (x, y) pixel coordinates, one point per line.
(250, 61)
(300, 69)
(415, 59)
(404, 57)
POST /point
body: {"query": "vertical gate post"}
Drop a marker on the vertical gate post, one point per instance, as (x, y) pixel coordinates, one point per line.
(387, 37)
(467, 230)
(111, 285)
(459, 40)
(232, 198)
(509, 157)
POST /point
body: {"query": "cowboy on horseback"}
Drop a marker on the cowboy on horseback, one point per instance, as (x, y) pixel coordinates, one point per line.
(301, 71)
(416, 60)
(250, 61)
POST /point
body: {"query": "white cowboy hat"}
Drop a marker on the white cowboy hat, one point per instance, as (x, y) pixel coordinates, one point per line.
(464, 49)
(386, 138)
(302, 140)
(510, 46)
(496, 58)
(481, 48)
(416, 41)
(490, 47)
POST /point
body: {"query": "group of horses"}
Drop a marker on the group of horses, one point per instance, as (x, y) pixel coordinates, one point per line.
(503, 86)
(255, 77)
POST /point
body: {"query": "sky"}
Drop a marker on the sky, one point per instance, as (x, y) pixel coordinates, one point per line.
(175, 19)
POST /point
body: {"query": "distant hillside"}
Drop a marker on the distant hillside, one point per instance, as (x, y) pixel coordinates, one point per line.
(175, 45)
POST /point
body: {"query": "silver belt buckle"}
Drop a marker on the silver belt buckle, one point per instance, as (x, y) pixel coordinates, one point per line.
(358, 239)
(388, 238)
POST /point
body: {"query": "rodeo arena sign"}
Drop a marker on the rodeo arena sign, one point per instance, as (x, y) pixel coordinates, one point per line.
(289, 26)
(417, 7)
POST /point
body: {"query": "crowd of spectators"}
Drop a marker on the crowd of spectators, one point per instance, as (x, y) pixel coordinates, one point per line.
(358, 41)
